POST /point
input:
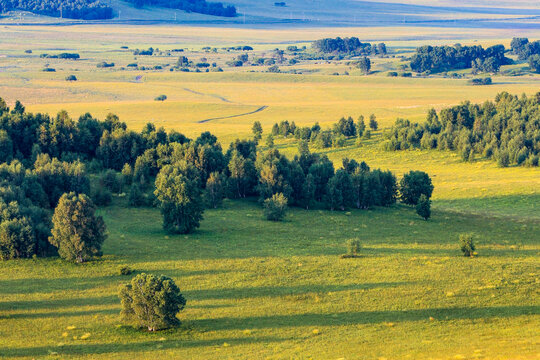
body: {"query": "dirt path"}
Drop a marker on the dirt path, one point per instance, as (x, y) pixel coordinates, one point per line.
(233, 116)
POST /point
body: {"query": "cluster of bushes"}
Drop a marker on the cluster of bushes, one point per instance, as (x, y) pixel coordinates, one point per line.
(105, 64)
(145, 52)
(507, 130)
(344, 129)
(445, 58)
(350, 46)
(196, 6)
(71, 9)
(481, 81)
(73, 56)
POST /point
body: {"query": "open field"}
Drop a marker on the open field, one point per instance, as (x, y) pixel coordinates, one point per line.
(257, 289)
(285, 294)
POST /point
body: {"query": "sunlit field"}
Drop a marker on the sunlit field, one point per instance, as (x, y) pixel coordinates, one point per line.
(262, 290)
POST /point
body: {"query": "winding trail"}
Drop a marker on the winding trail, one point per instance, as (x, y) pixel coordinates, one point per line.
(233, 116)
(211, 95)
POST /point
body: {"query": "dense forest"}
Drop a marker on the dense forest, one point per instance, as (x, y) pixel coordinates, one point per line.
(350, 46)
(445, 58)
(507, 130)
(57, 163)
(196, 6)
(71, 9)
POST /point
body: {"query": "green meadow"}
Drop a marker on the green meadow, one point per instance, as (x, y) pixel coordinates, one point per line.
(262, 290)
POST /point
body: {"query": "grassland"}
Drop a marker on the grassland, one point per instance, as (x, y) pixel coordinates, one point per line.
(262, 290)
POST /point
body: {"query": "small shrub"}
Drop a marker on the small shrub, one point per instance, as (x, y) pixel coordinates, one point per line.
(275, 207)
(467, 244)
(392, 74)
(125, 270)
(161, 98)
(423, 208)
(353, 247)
(136, 196)
(104, 64)
(48, 69)
(101, 196)
(71, 78)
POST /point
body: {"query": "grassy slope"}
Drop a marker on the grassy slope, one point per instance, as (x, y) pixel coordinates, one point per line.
(257, 296)
(257, 289)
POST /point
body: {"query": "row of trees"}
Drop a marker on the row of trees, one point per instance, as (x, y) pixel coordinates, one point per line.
(350, 46)
(446, 58)
(71, 9)
(507, 130)
(344, 129)
(529, 51)
(196, 6)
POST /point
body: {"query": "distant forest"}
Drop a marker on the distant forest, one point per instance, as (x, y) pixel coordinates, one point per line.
(196, 6)
(71, 9)
(350, 46)
(507, 130)
(445, 58)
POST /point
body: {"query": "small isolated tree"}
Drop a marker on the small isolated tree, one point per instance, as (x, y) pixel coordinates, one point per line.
(71, 78)
(161, 98)
(364, 64)
(179, 194)
(270, 141)
(373, 124)
(257, 130)
(423, 208)
(275, 207)
(215, 190)
(534, 63)
(353, 247)
(151, 301)
(466, 244)
(77, 232)
(413, 185)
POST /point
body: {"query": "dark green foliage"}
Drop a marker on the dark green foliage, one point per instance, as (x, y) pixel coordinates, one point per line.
(534, 63)
(71, 78)
(105, 64)
(215, 189)
(481, 81)
(71, 9)
(445, 58)
(179, 194)
(242, 175)
(77, 232)
(413, 185)
(151, 301)
(345, 127)
(353, 247)
(196, 6)
(16, 239)
(161, 98)
(101, 195)
(112, 181)
(525, 49)
(275, 207)
(349, 46)
(507, 130)
(466, 243)
(136, 197)
(373, 124)
(257, 130)
(423, 208)
(125, 270)
(338, 191)
(364, 64)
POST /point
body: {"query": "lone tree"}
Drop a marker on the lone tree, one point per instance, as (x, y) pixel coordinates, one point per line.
(413, 185)
(179, 192)
(364, 64)
(257, 130)
(151, 301)
(77, 232)
(275, 207)
(466, 244)
(423, 208)
(373, 124)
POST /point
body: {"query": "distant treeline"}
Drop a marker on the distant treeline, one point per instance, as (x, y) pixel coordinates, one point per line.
(525, 49)
(350, 46)
(44, 157)
(446, 58)
(71, 9)
(196, 6)
(507, 130)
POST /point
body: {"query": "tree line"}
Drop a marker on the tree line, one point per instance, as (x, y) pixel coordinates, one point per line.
(506, 130)
(196, 6)
(445, 58)
(526, 50)
(71, 9)
(47, 198)
(350, 46)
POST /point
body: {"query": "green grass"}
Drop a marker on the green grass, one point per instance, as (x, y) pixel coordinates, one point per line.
(258, 289)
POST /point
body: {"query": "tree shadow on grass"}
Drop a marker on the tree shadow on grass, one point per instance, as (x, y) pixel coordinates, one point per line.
(111, 348)
(276, 291)
(363, 317)
(59, 314)
(57, 303)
